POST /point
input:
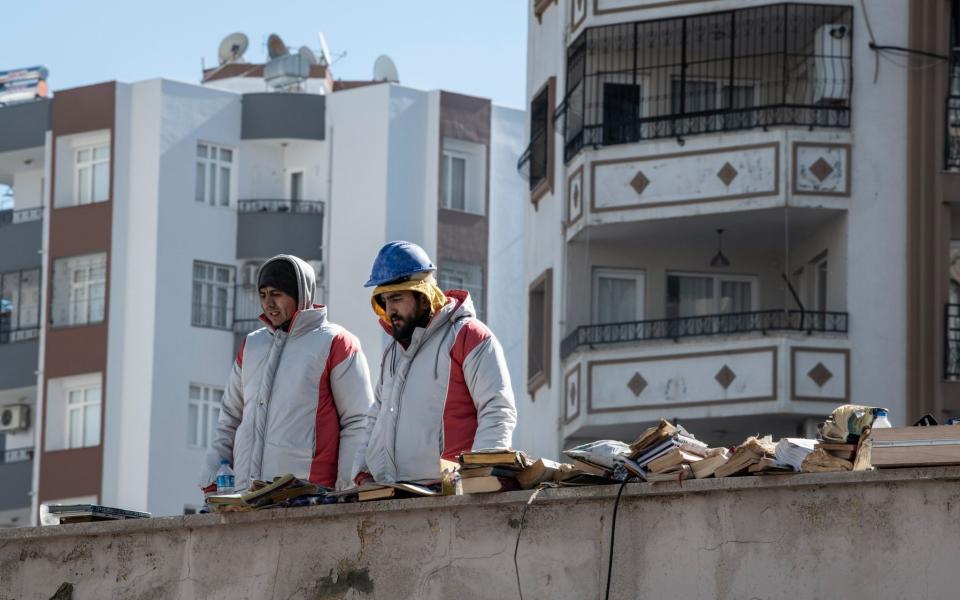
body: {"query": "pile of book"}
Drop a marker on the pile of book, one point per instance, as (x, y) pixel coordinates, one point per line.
(263, 494)
(754, 455)
(86, 513)
(667, 452)
(401, 489)
(484, 471)
(918, 446)
(829, 457)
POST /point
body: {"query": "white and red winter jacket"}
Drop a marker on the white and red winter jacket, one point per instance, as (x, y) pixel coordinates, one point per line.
(448, 392)
(297, 400)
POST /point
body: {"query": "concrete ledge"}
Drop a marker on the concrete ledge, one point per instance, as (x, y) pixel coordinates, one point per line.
(885, 534)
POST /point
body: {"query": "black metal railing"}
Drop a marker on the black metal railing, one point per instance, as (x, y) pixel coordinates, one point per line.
(17, 455)
(281, 206)
(19, 334)
(951, 342)
(23, 215)
(704, 325)
(952, 137)
(781, 64)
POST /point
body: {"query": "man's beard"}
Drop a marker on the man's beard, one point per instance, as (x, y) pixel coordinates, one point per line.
(404, 333)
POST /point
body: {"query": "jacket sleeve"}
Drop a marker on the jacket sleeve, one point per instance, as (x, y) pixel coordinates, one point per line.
(231, 412)
(353, 396)
(487, 378)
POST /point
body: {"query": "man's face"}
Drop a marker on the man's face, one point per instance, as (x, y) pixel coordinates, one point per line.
(405, 310)
(277, 305)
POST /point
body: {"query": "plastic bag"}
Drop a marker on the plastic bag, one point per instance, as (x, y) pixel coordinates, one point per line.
(603, 453)
(846, 423)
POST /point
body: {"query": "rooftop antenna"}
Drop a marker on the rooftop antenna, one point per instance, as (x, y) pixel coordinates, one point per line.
(275, 46)
(326, 59)
(232, 48)
(384, 69)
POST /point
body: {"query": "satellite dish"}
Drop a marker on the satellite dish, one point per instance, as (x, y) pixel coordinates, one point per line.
(307, 56)
(232, 48)
(326, 59)
(384, 69)
(275, 46)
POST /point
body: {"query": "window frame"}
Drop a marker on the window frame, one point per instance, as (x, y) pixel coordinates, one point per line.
(718, 279)
(90, 166)
(543, 284)
(207, 411)
(16, 321)
(212, 188)
(66, 299)
(545, 185)
(202, 313)
(82, 407)
(638, 275)
(448, 155)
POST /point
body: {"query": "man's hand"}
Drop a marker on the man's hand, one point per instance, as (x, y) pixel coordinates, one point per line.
(362, 478)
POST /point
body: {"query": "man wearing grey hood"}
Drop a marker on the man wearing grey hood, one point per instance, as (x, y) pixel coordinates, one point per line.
(299, 391)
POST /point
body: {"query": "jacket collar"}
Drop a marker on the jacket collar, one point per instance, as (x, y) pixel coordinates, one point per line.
(302, 320)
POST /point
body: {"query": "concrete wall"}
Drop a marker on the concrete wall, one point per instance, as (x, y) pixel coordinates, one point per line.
(852, 535)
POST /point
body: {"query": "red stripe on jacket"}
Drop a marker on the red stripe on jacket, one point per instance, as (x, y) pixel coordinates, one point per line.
(326, 451)
(459, 411)
(243, 344)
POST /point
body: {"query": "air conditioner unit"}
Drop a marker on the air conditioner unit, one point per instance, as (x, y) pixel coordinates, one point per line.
(14, 416)
(831, 73)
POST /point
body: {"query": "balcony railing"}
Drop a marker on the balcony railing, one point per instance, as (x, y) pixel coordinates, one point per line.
(20, 334)
(951, 342)
(781, 64)
(281, 206)
(952, 137)
(23, 215)
(705, 325)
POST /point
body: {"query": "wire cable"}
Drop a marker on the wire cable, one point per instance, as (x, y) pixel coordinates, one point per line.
(613, 535)
(516, 547)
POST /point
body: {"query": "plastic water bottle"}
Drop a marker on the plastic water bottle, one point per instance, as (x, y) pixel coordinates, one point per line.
(880, 419)
(225, 478)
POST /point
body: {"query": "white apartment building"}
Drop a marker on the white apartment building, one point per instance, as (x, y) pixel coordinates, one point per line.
(730, 223)
(140, 215)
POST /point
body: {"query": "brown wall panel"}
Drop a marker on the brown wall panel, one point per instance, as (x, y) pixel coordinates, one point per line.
(71, 473)
(80, 230)
(87, 108)
(76, 350)
(464, 237)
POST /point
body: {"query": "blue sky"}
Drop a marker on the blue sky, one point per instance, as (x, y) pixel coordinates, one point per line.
(476, 47)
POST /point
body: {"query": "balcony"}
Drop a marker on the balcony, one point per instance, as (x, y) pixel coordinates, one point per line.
(754, 68)
(21, 235)
(16, 470)
(267, 227)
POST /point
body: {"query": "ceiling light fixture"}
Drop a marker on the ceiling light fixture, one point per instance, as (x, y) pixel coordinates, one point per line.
(719, 260)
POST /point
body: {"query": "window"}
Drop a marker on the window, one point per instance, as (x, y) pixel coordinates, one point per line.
(539, 153)
(83, 417)
(697, 295)
(296, 185)
(539, 331)
(212, 295)
(214, 171)
(453, 177)
(79, 289)
(463, 276)
(203, 412)
(19, 305)
(92, 174)
(621, 111)
(617, 296)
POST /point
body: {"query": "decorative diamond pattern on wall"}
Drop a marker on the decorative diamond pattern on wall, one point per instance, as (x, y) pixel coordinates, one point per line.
(725, 377)
(727, 174)
(821, 169)
(639, 182)
(637, 384)
(820, 374)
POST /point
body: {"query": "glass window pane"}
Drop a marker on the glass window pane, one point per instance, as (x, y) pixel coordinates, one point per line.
(214, 419)
(735, 297)
(202, 150)
(212, 179)
(97, 302)
(83, 185)
(224, 188)
(91, 425)
(226, 155)
(75, 397)
(217, 397)
(101, 153)
(92, 395)
(689, 296)
(74, 428)
(83, 156)
(194, 392)
(204, 426)
(458, 182)
(101, 182)
(201, 181)
(617, 300)
(193, 417)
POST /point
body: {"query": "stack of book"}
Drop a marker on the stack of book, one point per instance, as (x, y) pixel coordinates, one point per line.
(752, 456)
(264, 494)
(85, 513)
(911, 447)
(666, 452)
(401, 489)
(830, 457)
(484, 471)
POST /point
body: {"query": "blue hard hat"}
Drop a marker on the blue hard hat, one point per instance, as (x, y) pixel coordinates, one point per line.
(398, 261)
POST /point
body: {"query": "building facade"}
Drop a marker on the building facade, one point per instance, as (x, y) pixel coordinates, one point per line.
(716, 218)
(140, 214)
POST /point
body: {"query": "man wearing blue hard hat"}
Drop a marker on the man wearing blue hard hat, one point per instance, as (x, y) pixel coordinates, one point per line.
(444, 387)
